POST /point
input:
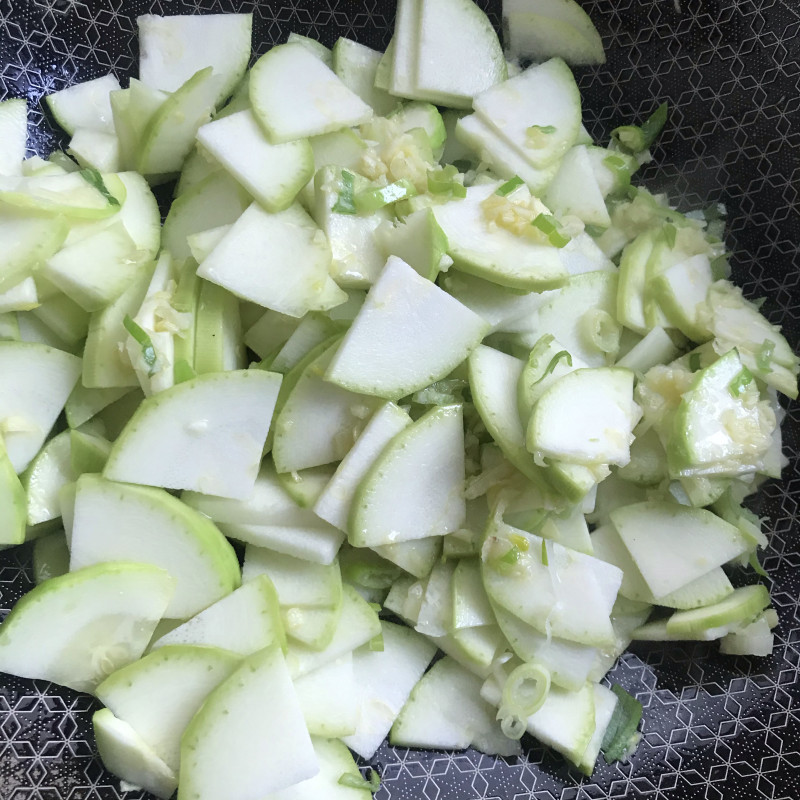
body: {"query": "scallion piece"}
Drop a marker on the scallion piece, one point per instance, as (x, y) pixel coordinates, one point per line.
(638, 138)
(740, 382)
(358, 782)
(509, 186)
(694, 361)
(547, 225)
(621, 730)
(670, 234)
(183, 371)
(444, 181)
(526, 690)
(345, 203)
(94, 178)
(764, 355)
(142, 338)
(370, 200)
(620, 167)
(536, 135)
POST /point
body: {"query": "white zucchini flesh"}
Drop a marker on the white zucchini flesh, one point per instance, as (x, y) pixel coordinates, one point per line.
(173, 48)
(152, 527)
(445, 711)
(680, 289)
(159, 694)
(84, 105)
(672, 545)
(709, 588)
(387, 353)
(418, 240)
(471, 607)
(324, 54)
(215, 201)
(328, 697)
(313, 329)
(21, 297)
(569, 663)
(251, 258)
(570, 596)
(13, 503)
(414, 489)
(565, 722)
(495, 253)
(544, 95)
(356, 65)
(416, 557)
(335, 501)
(170, 134)
(128, 756)
(244, 622)
(506, 161)
(319, 420)
(586, 417)
(27, 241)
(403, 57)
(739, 608)
(335, 761)
(358, 624)
(541, 36)
(115, 608)
(580, 254)
(446, 29)
(44, 478)
(655, 348)
(571, 312)
(297, 582)
(249, 737)
(504, 310)
(574, 190)
(96, 149)
(36, 383)
(269, 333)
(295, 95)
(272, 173)
(713, 424)
(97, 269)
(384, 679)
(605, 701)
(205, 435)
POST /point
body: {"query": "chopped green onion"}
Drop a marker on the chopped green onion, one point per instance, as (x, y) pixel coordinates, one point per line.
(595, 231)
(358, 782)
(635, 138)
(511, 725)
(621, 730)
(764, 355)
(444, 181)
(511, 556)
(141, 336)
(561, 355)
(372, 199)
(536, 135)
(694, 361)
(526, 690)
(602, 330)
(670, 234)
(509, 186)
(756, 565)
(620, 167)
(547, 225)
(740, 382)
(94, 178)
(183, 371)
(519, 541)
(720, 268)
(345, 203)
(545, 557)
